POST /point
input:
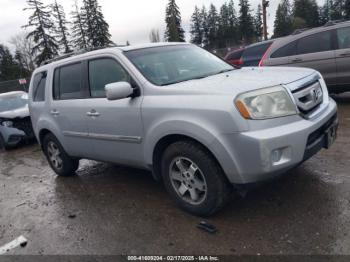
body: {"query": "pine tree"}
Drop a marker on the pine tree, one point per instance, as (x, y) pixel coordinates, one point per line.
(97, 28)
(347, 9)
(154, 36)
(213, 26)
(224, 26)
(258, 23)
(283, 19)
(233, 23)
(205, 27)
(308, 11)
(60, 27)
(45, 46)
(336, 9)
(174, 31)
(325, 12)
(196, 27)
(246, 25)
(78, 29)
(9, 69)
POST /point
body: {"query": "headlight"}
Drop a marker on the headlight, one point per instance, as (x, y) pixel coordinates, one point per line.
(265, 103)
(7, 123)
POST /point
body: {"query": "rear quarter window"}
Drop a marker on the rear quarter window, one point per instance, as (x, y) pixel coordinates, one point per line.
(39, 83)
(287, 50)
(235, 55)
(253, 55)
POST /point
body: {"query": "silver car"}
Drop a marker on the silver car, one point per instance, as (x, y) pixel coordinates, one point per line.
(199, 124)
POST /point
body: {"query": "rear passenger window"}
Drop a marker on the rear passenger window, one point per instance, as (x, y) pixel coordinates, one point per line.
(235, 55)
(287, 50)
(255, 53)
(102, 72)
(67, 82)
(39, 84)
(320, 42)
(343, 35)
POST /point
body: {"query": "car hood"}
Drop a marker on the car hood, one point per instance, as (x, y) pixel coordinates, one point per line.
(246, 79)
(20, 112)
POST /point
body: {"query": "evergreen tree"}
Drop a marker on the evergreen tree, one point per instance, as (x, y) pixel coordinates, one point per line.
(61, 28)
(325, 12)
(45, 47)
(283, 19)
(213, 26)
(246, 25)
(205, 27)
(233, 24)
(223, 38)
(196, 27)
(336, 9)
(258, 23)
(308, 11)
(97, 28)
(9, 69)
(347, 9)
(78, 29)
(154, 36)
(174, 31)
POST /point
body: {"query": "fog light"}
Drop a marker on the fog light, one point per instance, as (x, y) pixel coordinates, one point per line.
(276, 155)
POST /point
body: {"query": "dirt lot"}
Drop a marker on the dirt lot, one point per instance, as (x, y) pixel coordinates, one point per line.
(108, 209)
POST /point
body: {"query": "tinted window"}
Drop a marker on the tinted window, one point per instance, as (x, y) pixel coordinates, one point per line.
(235, 55)
(67, 82)
(287, 50)
(315, 43)
(105, 71)
(252, 55)
(39, 83)
(343, 35)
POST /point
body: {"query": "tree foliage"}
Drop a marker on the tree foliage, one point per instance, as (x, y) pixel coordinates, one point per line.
(78, 29)
(154, 36)
(60, 28)
(246, 24)
(9, 68)
(283, 21)
(45, 47)
(308, 11)
(174, 31)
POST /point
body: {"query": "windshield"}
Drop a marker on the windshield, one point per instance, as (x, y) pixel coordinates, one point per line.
(173, 64)
(13, 102)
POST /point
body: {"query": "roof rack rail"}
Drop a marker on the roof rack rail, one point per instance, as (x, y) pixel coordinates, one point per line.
(301, 30)
(334, 22)
(79, 52)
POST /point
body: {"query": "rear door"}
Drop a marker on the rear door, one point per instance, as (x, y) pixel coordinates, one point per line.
(343, 56)
(317, 51)
(68, 109)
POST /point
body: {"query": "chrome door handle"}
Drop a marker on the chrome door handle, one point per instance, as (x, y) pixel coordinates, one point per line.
(297, 60)
(93, 113)
(54, 112)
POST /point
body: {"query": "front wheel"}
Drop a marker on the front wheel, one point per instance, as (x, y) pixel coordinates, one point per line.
(59, 160)
(194, 178)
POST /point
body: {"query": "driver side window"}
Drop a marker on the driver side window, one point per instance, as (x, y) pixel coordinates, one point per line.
(104, 71)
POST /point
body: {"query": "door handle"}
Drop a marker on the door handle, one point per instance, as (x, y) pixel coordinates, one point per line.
(297, 60)
(345, 54)
(54, 112)
(93, 113)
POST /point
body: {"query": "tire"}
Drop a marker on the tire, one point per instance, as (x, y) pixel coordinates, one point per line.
(59, 160)
(194, 178)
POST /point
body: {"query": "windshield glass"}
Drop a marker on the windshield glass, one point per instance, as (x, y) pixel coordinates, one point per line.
(173, 64)
(13, 102)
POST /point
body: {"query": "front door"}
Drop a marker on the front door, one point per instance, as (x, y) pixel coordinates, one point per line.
(115, 127)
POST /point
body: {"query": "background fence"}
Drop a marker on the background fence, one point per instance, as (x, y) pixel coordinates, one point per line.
(14, 85)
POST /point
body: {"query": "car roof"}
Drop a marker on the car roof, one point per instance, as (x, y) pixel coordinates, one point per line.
(119, 49)
(12, 94)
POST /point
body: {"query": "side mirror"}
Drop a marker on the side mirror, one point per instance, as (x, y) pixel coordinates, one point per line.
(118, 90)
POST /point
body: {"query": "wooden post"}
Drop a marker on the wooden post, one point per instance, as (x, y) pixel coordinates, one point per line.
(265, 4)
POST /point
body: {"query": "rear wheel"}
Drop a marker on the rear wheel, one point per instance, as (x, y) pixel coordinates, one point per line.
(194, 178)
(59, 160)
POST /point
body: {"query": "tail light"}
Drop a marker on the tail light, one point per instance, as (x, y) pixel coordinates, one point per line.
(237, 62)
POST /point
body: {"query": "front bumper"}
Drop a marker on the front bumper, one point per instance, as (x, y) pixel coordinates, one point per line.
(255, 156)
(11, 136)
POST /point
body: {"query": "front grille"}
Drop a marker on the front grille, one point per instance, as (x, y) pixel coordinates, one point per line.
(309, 98)
(25, 125)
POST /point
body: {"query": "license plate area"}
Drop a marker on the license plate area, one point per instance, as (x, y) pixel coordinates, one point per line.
(331, 134)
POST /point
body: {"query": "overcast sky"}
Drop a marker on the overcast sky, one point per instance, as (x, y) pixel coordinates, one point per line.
(128, 19)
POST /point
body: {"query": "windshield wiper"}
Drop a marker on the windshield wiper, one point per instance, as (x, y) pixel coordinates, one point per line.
(225, 71)
(185, 80)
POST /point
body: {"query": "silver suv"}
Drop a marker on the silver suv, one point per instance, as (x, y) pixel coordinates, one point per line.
(325, 49)
(199, 124)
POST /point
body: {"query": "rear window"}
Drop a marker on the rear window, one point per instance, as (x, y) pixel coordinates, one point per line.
(287, 50)
(67, 82)
(343, 35)
(253, 55)
(39, 83)
(235, 55)
(319, 42)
